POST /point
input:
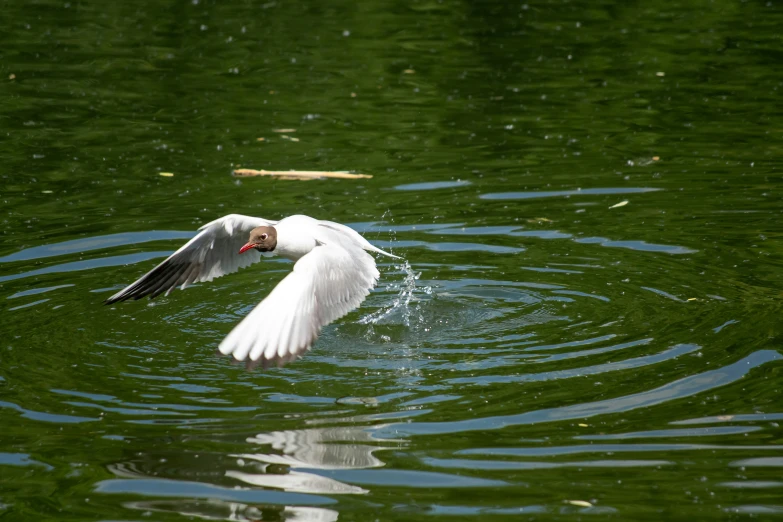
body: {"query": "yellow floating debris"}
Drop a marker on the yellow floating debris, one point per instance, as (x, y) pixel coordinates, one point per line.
(580, 503)
(539, 220)
(660, 73)
(353, 95)
(167, 174)
(289, 138)
(656, 158)
(260, 139)
(620, 204)
(47, 192)
(693, 299)
(581, 425)
(12, 76)
(409, 71)
(297, 174)
(283, 130)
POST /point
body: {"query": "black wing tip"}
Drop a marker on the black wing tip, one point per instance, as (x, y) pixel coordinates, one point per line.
(152, 284)
(116, 298)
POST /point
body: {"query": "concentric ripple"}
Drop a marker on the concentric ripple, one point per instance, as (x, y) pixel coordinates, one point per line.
(518, 349)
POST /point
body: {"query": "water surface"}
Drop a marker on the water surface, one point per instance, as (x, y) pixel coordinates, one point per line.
(586, 323)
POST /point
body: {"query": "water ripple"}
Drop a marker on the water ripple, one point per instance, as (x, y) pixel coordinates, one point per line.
(46, 417)
(742, 417)
(566, 193)
(184, 489)
(432, 185)
(692, 432)
(637, 362)
(554, 451)
(87, 244)
(676, 390)
(530, 465)
(89, 264)
(21, 459)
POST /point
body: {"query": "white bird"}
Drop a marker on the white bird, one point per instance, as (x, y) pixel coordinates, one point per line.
(332, 275)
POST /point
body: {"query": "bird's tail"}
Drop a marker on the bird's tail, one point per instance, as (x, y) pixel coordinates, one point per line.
(357, 237)
(372, 248)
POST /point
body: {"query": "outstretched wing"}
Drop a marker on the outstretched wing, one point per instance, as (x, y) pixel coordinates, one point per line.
(212, 253)
(326, 284)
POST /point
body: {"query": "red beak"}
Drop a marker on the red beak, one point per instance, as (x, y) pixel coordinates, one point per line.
(247, 247)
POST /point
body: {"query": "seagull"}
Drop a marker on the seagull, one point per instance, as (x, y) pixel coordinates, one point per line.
(332, 275)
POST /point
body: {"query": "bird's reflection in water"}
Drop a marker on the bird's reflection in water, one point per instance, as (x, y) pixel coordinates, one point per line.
(321, 448)
(233, 511)
(286, 469)
(297, 481)
(317, 448)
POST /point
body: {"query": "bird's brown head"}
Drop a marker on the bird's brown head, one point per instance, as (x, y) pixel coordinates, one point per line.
(263, 239)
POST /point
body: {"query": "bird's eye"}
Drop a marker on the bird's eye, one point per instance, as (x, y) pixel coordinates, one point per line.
(263, 236)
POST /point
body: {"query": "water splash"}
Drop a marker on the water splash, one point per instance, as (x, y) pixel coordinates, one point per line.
(405, 290)
(405, 294)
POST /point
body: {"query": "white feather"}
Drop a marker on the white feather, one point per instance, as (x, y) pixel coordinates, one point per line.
(325, 284)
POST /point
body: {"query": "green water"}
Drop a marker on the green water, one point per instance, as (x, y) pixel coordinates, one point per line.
(549, 352)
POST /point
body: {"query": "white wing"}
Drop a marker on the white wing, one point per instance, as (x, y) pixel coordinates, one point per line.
(212, 253)
(326, 284)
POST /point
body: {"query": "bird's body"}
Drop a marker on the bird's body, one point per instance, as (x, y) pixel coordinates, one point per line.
(332, 275)
(301, 232)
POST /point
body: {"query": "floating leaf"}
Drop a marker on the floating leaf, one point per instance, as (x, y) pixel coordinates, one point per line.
(620, 204)
(283, 130)
(167, 174)
(580, 503)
